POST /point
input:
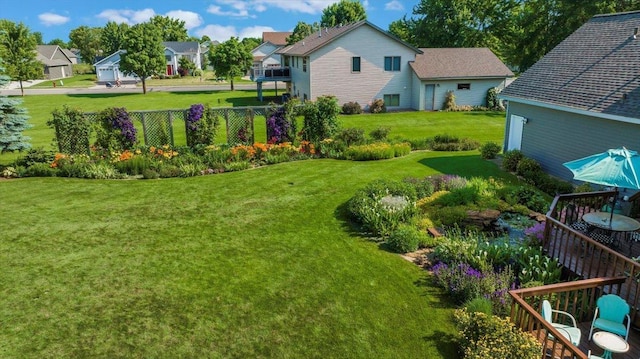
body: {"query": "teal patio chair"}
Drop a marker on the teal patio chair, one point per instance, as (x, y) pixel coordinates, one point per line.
(610, 315)
(571, 332)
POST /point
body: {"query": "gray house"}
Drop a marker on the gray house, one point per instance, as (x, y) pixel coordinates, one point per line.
(55, 61)
(582, 98)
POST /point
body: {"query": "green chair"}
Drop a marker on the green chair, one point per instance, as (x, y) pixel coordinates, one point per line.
(571, 332)
(610, 315)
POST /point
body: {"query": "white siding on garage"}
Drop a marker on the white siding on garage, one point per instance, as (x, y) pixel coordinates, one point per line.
(475, 96)
(331, 73)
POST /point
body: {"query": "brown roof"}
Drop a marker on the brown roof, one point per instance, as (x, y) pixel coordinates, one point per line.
(458, 63)
(326, 35)
(276, 38)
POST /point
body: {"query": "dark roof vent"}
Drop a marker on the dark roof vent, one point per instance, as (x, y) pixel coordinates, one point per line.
(635, 33)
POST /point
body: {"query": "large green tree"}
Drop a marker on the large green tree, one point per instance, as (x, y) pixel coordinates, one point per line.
(301, 31)
(251, 42)
(144, 53)
(343, 12)
(112, 37)
(18, 48)
(13, 121)
(87, 40)
(231, 59)
(58, 42)
(170, 28)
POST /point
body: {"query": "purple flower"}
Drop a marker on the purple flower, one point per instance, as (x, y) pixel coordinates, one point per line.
(123, 123)
(194, 115)
(278, 127)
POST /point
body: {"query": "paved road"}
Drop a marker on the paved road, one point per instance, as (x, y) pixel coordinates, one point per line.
(128, 89)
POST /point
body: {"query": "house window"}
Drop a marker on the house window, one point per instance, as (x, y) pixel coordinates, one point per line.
(392, 63)
(464, 86)
(304, 64)
(355, 64)
(286, 61)
(167, 57)
(392, 100)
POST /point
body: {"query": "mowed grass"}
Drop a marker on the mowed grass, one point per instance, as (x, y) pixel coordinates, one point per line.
(254, 264)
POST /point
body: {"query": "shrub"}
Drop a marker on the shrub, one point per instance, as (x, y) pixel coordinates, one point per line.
(401, 149)
(72, 129)
(115, 130)
(279, 126)
(380, 133)
(35, 155)
(370, 152)
(382, 205)
(351, 108)
(452, 143)
(510, 160)
(463, 282)
(490, 150)
(201, 126)
(83, 69)
(378, 106)
(488, 336)
(528, 168)
(423, 186)
(351, 136)
(405, 238)
(167, 170)
(493, 102)
(534, 266)
(449, 101)
(447, 182)
(525, 196)
(420, 144)
(135, 165)
(320, 119)
(450, 216)
(150, 174)
(329, 148)
(40, 170)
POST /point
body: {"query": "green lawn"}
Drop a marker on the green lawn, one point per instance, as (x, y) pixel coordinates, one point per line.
(253, 264)
(78, 81)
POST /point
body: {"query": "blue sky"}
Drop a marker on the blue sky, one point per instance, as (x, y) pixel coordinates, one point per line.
(219, 19)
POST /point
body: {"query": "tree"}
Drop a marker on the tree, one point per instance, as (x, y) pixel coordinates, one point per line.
(171, 29)
(231, 59)
(58, 42)
(144, 53)
(342, 13)
(301, 31)
(185, 66)
(112, 37)
(13, 121)
(87, 40)
(251, 42)
(38, 36)
(18, 48)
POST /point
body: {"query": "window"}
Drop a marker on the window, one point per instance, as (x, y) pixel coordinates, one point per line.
(464, 86)
(355, 64)
(392, 100)
(297, 62)
(304, 64)
(392, 63)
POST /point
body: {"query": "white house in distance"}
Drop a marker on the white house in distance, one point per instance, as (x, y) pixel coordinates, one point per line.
(266, 54)
(360, 62)
(108, 69)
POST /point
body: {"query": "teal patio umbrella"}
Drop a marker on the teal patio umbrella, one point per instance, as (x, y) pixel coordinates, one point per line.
(617, 168)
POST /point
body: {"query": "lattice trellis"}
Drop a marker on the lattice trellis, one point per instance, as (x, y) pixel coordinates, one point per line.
(239, 124)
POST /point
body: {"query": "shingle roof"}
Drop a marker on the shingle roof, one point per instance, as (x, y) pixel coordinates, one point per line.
(439, 63)
(45, 54)
(597, 69)
(182, 46)
(276, 38)
(47, 51)
(321, 38)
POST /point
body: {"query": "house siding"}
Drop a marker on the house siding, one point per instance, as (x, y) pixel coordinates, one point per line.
(300, 80)
(330, 67)
(553, 137)
(476, 96)
(417, 92)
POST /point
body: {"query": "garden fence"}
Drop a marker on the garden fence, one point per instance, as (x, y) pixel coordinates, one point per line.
(168, 127)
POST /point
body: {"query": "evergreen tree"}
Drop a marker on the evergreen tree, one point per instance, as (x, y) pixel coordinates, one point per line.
(13, 120)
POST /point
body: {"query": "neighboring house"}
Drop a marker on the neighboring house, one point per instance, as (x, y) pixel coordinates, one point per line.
(467, 72)
(56, 62)
(174, 50)
(108, 70)
(582, 98)
(266, 54)
(71, 55)
(360, 62)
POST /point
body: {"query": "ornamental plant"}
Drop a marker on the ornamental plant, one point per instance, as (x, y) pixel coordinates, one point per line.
(279, 127)
(201, 126)
(320, 119)
(72, 130)
(114, 130)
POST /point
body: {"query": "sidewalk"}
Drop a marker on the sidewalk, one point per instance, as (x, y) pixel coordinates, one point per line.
(15, 85)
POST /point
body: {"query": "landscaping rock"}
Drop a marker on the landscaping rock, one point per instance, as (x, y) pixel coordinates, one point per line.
(485, 219)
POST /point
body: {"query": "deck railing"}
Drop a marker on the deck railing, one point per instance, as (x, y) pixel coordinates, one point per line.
(577, 298)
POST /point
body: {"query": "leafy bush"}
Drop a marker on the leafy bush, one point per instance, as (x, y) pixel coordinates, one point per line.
(382, 205)
(72, 129)
(449, 101)
(114, 130)
(534, 266)
(420, 143)
(351, 108)
(380, 133)
(378, 106)
(490, 150)
(479, 305)
(329, 148)
(35, 155)
(150, 174)
(463, 282)
(201, 126)
(493, 102)
(83, 69)
(487, 336)
(401, 149)
(526, 196)
(405, 238)
(370, 152)
(450, 216)
(351, 136)
(452, 143)
(136, 165)
(320, 118)
(528, 167)
(40, 170)
(444, 182)
(423, 186)
(510, 160)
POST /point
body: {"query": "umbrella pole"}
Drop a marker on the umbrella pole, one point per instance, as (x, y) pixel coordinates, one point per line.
(613, 207)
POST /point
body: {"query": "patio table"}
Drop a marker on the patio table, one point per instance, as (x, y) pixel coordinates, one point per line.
(617, 223)
(611, 343)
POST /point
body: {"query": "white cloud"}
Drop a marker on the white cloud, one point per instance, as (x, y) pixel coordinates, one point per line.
(394, 5)
(130, 17)
(191, 19)
(218, 32)
(49, 19)
(217, 10)
(254, 31)
(243, 8)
